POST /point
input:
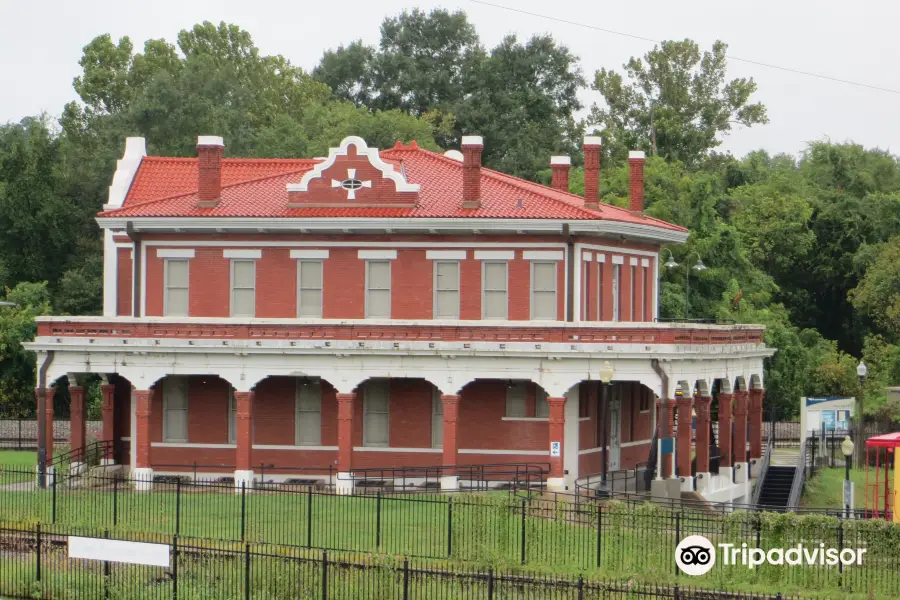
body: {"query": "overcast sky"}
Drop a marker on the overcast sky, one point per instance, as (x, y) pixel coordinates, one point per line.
(41, 42)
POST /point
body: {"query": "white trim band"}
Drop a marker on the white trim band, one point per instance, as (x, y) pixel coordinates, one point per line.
(495, 254)
(301, 448)
(445, 254)
(210, 140)
(389, 449)
(560, 160)
(174, 253)
(377, 254)
(636, 154)
(234, 253)
(543, 255)
(525, 419)
(190, 445)
(310, 253)
(511, 452)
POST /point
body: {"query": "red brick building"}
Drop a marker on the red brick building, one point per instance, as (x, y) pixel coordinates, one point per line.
(378, 309)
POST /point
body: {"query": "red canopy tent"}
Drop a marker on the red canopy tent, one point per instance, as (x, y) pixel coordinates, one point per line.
(880, 498)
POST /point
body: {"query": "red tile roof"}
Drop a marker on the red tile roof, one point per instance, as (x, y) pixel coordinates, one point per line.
(167, 187)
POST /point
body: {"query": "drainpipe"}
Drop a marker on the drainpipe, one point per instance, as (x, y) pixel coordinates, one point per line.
(570, 278)
(42, 419)
(135, 269)
(662, 418)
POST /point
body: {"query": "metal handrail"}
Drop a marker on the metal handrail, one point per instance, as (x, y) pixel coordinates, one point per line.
(799, 479)
(522, 475)
(763, 469)
(73, 455)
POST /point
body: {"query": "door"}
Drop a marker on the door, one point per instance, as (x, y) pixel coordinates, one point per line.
(615, 426)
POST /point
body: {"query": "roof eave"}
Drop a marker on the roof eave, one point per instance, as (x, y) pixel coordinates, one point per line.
(602, 227)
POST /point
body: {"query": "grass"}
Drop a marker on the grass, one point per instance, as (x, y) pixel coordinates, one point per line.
(17, 460)
(635, 542)
(826, 488)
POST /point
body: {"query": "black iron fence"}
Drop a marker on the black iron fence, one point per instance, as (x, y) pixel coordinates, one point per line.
(609, 539)
(37, 564)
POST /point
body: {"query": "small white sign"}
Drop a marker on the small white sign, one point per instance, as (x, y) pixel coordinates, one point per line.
(555, 449)
(135, 553)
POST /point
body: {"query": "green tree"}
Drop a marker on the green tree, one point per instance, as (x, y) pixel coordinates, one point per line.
(675, 102)
(17, 366)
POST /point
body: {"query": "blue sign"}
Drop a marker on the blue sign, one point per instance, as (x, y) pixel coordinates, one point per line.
(667, 446)
(842, 417)
(828, 420)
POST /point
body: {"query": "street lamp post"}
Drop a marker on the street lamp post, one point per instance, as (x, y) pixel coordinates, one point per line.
(607, 372)
(847, 450)
(698, 266)
(861, 371)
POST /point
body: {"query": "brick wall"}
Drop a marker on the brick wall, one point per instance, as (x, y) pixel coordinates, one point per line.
(344, 278)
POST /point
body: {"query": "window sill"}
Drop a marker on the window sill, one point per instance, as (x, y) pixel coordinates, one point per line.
(174, 444)
(390, 449)
(294, 447)
(525, 419)
(582, 419)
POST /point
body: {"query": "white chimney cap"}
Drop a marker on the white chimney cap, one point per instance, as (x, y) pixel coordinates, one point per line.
(210, 140)
(560, 160)
(472, 140)
(593, 140)
(636, 154)
(454, 154)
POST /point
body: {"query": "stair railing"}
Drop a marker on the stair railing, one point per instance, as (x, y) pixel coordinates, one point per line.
(799, 478)
(766, 459)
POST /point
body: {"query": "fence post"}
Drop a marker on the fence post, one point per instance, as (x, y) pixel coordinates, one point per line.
(378, 520)
(243, 510)
(247, 572)
(523, 531)
(599, 534)
(580, 587)
(758, 526)
(309, 501)
(115, 502)
(405, 579)
(840, 547)
(53, 491)
(174, 567)
(324, 575)
(676, 595)
(490, 584)
(38, 550)
(677, 539)
(178, 506)
(106, 569)
(449, 526)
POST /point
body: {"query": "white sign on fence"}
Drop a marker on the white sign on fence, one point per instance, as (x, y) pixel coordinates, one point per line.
(135, 553)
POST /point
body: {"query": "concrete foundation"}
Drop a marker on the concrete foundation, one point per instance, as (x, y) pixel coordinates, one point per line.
(755, 467)
(556, 484)
(244, 479)
(703, 482)
(344, 484)
(687, 484)
(449, 483)
(143, 479)
(741, 472)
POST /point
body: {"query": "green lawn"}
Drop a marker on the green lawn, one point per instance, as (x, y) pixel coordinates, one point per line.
(18, 458)
(825, 488)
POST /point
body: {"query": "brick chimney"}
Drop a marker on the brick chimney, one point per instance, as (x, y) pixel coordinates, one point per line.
(591, 149)
(636, 181)
(209, 173)
(472, 145)
(560, 167)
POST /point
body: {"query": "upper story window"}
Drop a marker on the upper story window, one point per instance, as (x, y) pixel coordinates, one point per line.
(615, 291)
(378, 289)
(309, 288)
(543, 290)
(243, 288)
(175, 409)
(495, 296)
(446, 289)
(175, 301)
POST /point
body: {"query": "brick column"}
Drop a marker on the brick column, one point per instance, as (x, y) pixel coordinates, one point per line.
(143, 472)
(685, 403)
(243, 475)
(49, 393)
(343, 484)
(109, 419)
(665, 429)
(701, 406)
(450, 479)
(756, 423)
(557, 424)
(740, 427)
(77, 426)
(725, 401)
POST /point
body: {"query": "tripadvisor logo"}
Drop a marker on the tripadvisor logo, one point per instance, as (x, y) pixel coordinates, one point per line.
(696, 555)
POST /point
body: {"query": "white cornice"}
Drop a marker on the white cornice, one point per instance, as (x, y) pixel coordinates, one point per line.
(604, 227)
